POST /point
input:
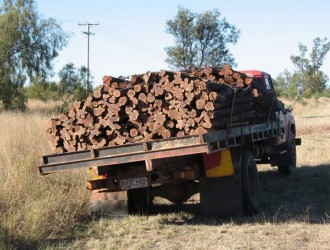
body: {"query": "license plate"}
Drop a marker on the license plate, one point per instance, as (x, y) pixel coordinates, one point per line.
(133, 183)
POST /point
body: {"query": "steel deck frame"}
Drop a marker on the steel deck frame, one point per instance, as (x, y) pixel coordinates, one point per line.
(157, 149)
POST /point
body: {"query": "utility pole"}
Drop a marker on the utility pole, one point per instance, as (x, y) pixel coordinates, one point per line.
(88, 33)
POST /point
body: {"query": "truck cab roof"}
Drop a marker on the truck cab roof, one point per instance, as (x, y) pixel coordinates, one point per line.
(263, 78)
(254, 73)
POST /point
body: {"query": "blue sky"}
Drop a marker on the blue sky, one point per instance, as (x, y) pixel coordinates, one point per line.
(131, 36)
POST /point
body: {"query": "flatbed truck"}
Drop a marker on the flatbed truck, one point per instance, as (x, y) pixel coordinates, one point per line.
(220, 165)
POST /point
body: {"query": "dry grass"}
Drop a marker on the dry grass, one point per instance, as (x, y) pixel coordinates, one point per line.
(33, 208)
(49, 212)
(312, 115)
(49, 109)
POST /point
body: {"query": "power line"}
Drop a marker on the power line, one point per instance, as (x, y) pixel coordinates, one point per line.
(130, 42)
(88, 33)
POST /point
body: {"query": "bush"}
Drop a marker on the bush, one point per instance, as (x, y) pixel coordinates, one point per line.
(12, 99)
(44, 91)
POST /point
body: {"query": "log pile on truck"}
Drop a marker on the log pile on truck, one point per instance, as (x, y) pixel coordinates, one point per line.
(158, 105)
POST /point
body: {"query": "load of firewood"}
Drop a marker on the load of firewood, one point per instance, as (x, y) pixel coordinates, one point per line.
(158, 105)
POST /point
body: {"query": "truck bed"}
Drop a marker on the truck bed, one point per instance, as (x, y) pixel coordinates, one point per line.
(157, 149)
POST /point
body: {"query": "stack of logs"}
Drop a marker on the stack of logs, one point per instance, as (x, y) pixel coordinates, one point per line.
(158, 105)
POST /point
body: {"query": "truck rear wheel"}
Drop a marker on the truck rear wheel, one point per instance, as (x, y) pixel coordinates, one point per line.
(250, 184)
(221, 196)
(138, 201)
(290, 167)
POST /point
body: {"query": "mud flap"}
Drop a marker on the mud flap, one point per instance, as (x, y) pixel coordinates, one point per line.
(108, 204)
(221, 196)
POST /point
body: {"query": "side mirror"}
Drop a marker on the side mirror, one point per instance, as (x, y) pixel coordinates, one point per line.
(300, 91)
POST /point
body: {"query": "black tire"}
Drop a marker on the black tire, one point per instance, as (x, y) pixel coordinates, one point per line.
(250, 184)
(138, 201)
(291, 165)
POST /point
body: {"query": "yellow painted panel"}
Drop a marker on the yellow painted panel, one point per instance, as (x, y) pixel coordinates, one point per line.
(225, 167)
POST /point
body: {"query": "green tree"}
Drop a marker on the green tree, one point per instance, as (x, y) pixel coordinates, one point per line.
(311, 77)
(72, 84)
(41, 89)
(28, 44)
(286, 84)
(200, 39)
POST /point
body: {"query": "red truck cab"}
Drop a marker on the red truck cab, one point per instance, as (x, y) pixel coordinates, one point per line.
(262, 78)
(265, 80)
(287, 141)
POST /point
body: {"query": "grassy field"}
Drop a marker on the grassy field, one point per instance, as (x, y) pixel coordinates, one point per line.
(50, 212)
